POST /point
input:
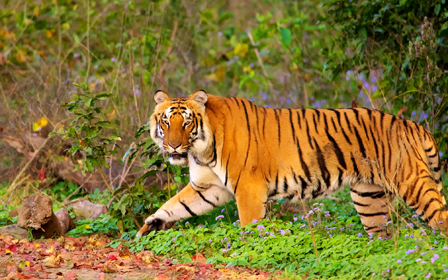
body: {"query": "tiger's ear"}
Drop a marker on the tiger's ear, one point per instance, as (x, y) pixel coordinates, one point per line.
(199, 96)
(161, 96)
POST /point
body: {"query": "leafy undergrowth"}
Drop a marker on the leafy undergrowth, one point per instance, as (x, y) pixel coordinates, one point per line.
(91, 258)
(343, 248)
(342, 252)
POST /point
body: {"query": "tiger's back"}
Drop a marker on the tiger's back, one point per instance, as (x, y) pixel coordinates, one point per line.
(260, 153)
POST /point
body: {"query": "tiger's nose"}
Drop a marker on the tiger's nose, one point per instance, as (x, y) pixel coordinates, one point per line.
(174, 145)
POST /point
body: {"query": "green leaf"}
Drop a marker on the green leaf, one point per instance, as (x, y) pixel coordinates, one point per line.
(437, 9)
(286, 35)
(363, 32)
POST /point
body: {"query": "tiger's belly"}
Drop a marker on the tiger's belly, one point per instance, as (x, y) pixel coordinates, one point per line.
(203, 177)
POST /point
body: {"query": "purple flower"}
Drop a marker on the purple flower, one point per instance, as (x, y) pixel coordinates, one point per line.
(219, 217)
(429, 275)
(359, 234)
(419, 259)
(254, 221)
(260, 227)
(410, 251)
(399, 261)
(434, 258)
(186, 223)
(282, 232)
(223, 210)
(112, 59)
(424, 253)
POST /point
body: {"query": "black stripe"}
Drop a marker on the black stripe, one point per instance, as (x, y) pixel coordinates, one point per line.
(429, 203)
(345, 135)
(302, 162)
(322, 166)
(227, 171)
(360, 204)
(277, 118)
(196, 186)
(299, 119)
(236, 100)
(276, 183)
(429, 149)
(264, 120)
(432, 214)
(378, 194)
(203, 198)
(188, 209)
(361, 145)
(340, 177)
(334, 125)
(382, 114)
(236, 185)
(325, 121)
(303, 185)
(355, 111)
(433, 155)
(292, 126)
(355, 166)
(308, 134)
(337, 150)
(248, 132)
(285, 185)
(348, 123)
(364, 126)
(367, 228)
(318, 114)
(373, 214)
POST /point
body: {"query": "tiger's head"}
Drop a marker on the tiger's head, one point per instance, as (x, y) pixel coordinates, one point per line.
(180, 126)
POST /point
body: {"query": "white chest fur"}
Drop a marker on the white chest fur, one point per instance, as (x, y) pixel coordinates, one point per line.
(203, 176)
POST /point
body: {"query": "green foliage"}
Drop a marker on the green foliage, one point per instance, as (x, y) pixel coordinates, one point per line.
(401, 46)
(103, 224)
(346, 253)
(5, 219)
(87, 129)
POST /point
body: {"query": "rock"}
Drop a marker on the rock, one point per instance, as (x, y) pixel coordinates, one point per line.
(36, 213)
(65, 220)
(85, 209)
(14, 231)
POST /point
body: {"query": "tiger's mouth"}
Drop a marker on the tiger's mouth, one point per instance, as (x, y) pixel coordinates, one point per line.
(178, 156)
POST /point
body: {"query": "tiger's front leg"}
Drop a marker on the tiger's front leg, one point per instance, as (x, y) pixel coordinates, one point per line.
(187, 203)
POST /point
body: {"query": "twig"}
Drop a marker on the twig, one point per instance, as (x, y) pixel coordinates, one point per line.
(10, 196)
(59, 47)
(131, 67)
(65, 202)
(89, 60)
(13, 184)
(168, 52)
(260, 61)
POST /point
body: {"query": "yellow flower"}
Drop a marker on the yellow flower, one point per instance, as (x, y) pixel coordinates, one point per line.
(42, 122)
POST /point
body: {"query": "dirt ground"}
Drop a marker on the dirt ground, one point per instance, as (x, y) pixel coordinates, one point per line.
(90, 258)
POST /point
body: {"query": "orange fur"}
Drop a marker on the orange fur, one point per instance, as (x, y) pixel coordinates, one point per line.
(238, 150)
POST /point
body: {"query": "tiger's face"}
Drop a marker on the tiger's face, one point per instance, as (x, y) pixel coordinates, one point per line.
(179, 125)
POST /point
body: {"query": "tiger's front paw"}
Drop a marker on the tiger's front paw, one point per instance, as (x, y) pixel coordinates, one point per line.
(153, 224)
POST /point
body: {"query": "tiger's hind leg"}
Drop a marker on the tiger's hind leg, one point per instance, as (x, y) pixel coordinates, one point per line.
(372, 203)
(424, 197)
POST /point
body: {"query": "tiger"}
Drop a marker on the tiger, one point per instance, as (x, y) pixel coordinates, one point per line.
(237, 150)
